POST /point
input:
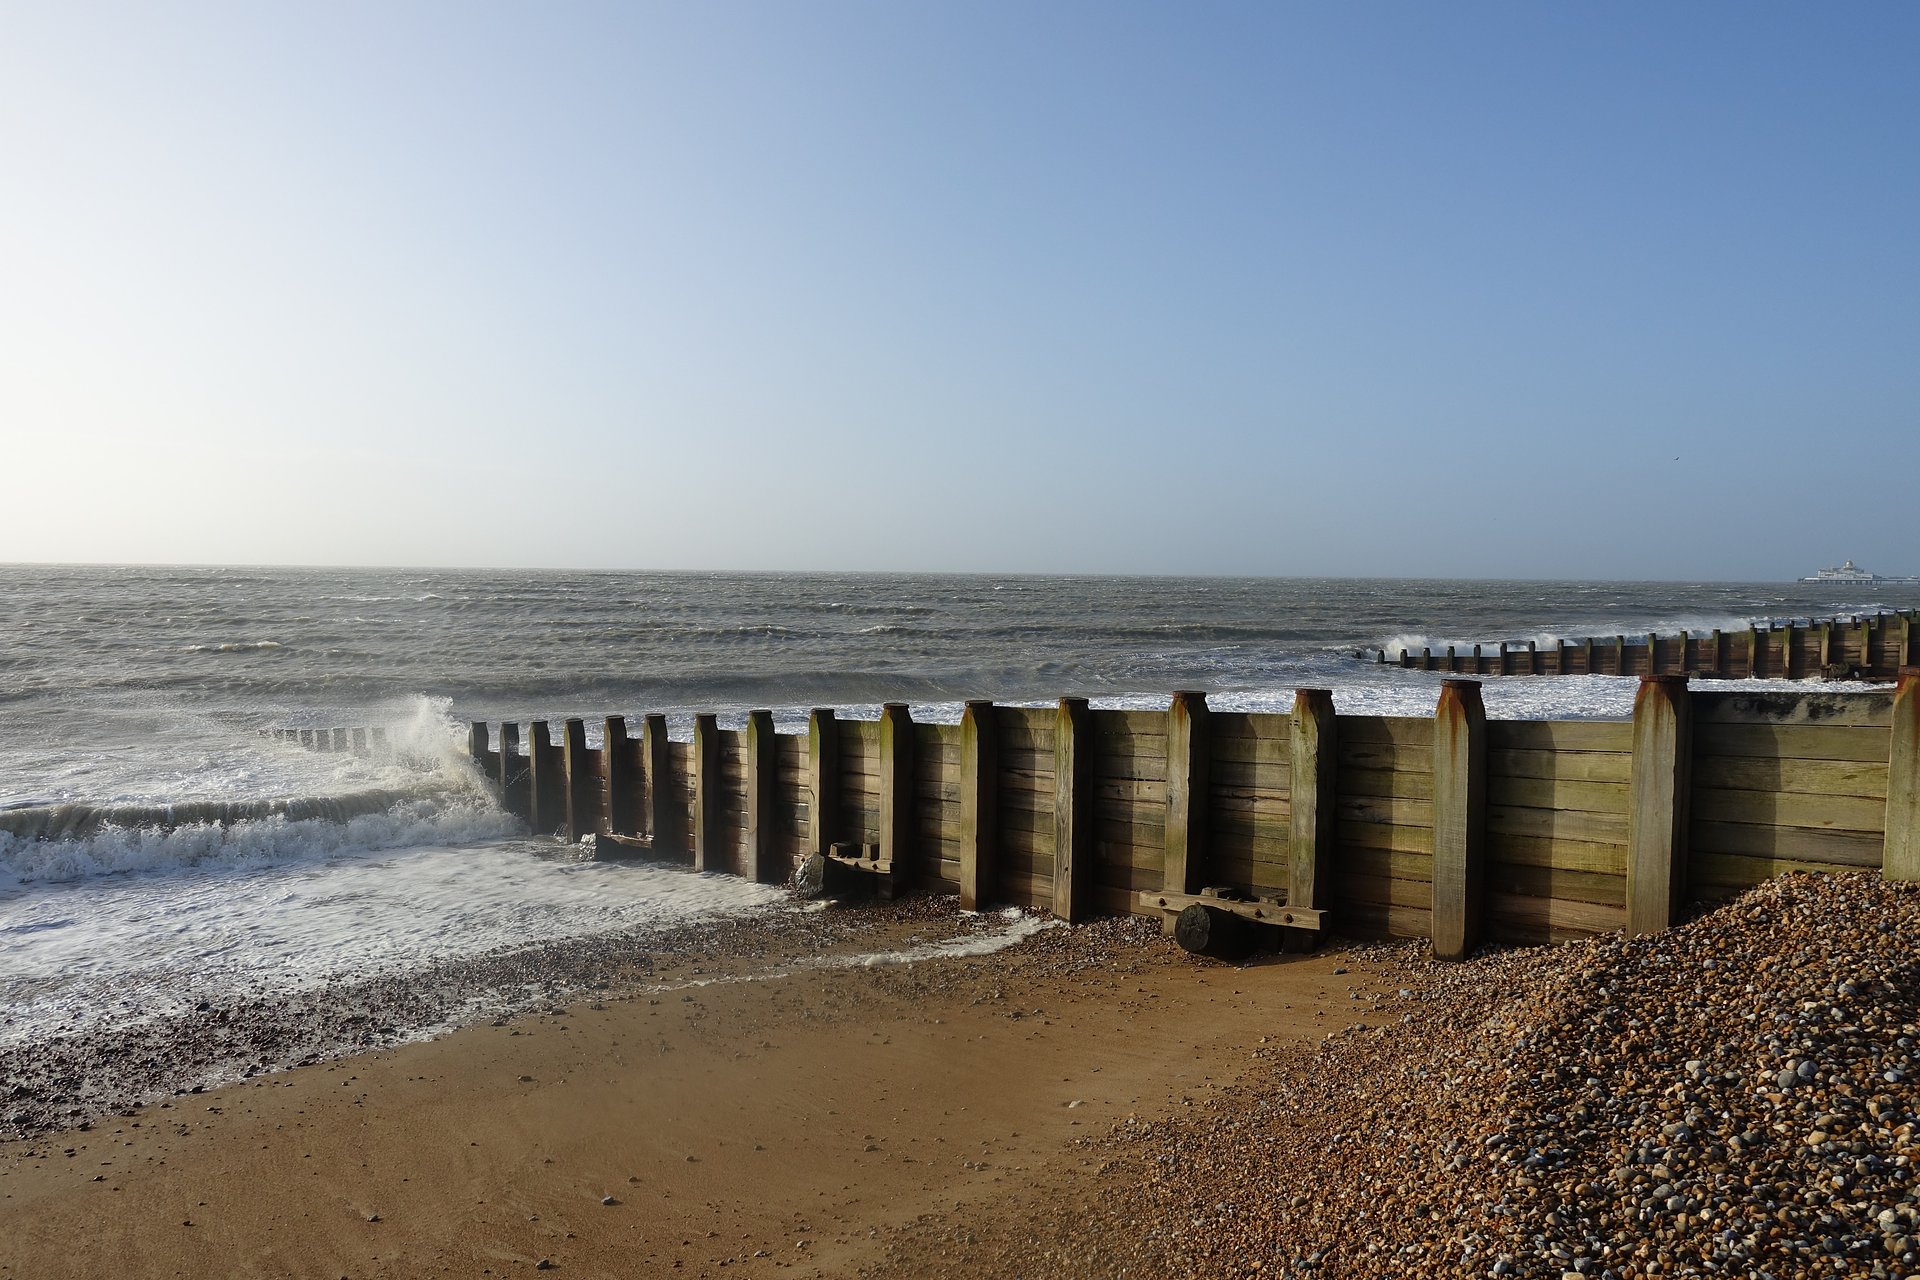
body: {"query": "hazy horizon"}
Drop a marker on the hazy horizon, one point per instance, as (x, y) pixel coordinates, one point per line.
(1493, 291)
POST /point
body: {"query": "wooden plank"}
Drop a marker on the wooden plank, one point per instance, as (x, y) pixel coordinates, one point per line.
(1384, 756)
(1839, 848)
(1073, 802)
(1553, 793)
(1569, 855)
(1572, 766)
(1859, 709)
(1557, 882)
(708, 854)
(823, 781)
(1559, 824)
(1373, 835)
(1146, 768)
(1388, 809)
(1790, 809)
(1560, 735)
(1151, 724)
(1902, 815)
(894, 746)
(1658, 820)
(977, 804)
(581, 805)
(1817, 777)
(1398, 731)
(1186, 791)
(1552, 919)
(1250, 753)
(1386, 783)
(1798, 742)
(1458, 812)
(1397, 864)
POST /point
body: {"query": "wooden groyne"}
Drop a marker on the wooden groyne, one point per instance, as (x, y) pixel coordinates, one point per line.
(1863, 647)
(1452, 827)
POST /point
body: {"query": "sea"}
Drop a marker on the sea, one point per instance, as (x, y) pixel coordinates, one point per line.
(160, 686)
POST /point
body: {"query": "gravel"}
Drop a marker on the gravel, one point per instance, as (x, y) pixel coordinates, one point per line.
(1734, 1097)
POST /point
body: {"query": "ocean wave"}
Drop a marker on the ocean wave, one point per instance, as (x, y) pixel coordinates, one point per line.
(35, 846)
(233, 646)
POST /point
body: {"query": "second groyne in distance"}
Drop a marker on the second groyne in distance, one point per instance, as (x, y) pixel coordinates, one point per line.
(1864, 647)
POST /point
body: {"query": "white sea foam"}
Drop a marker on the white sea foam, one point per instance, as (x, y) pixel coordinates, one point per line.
(156, 943)
(1017, 927)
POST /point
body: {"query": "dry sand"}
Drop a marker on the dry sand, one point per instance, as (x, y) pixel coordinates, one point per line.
(811, 1123)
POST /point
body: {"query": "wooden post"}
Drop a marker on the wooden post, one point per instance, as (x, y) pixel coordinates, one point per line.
(896, 790)
(1826, 646)
(823, 780)
(1314, 767)
(658, 773)
(1586, 656)
(1753, 653)
(1901, 860)
(515, 793)
(360, 742)
(616, 762)
(1658, 804)
(1186, 792)
(763, 801)
(707, 855)
(1680, 667)
(1653, 651)
(377, 741)
(1426, 659)
(1505, 667)
(1906, 640)
(546, 807)
(1072, 811)
(483, 757)
(581, 806)
(1453, 663)
(1786, 650)
(1476, 658)
(1866, 646)
(1459, 818)
(1619, 655)
(978, 764)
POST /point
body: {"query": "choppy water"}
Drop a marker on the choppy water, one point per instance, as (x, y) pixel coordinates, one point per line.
(149, 685)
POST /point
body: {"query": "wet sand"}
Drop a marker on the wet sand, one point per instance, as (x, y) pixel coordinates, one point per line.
(726, 1113)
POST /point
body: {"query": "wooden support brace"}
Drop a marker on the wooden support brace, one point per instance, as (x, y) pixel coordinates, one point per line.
(616, 762)
(1072, 811)
(516, 782)
(1459, 818)
(823, 780)
(582, 805)
(547, 810)
(1661, 782)
(707, 853)
(763, 801)
(979, 762)
(1313, 730)
(1186, 792)
(658, 776)
(896, 792)
(1901, 860)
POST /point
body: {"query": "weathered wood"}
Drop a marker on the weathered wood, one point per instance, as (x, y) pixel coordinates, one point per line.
(1186, 791)
(764, 864)
(979, 772)
(823, 780)
(1658, 820)
(656, 766)
(1902, 858)
(1205, 930)
(708, 854)
(616, 764)
(1459, 818)
(1753, 653)
(896, 740)
(580, 807)
(1072, 811)
(516, 790)
(1314, 751)
(1786, 651)
(484, 758)
(547, 782)
(1259, 911)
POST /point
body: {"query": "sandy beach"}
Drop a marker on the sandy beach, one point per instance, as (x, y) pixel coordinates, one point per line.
(734, 1114)
(844, 1092)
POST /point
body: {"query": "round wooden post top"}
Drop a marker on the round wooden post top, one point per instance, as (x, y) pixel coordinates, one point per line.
(1669, 681)
(1459, 682)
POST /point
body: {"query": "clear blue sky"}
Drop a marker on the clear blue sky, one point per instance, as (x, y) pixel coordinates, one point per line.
(1622, 290)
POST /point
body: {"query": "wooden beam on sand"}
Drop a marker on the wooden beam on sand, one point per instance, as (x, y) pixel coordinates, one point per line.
(979, 763)
(1459, 818)
(1072, 810)
(1658, 802)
